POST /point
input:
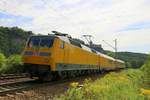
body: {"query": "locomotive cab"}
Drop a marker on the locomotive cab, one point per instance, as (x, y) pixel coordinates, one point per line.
(37, 54)
(38, 50)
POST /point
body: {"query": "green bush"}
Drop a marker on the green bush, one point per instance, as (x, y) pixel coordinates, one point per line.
(146, 71)
(12, 64)
(146, 68)
(2, 60)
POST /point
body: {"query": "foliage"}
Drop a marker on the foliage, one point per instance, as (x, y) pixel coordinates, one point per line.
(12, 64)
(146, 71)
(114, 86)
(14, 60)
(146, 68)
(2, 60)
(12, 40)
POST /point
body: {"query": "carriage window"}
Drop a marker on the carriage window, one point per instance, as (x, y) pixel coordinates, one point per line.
(93, 50)
(73, 42)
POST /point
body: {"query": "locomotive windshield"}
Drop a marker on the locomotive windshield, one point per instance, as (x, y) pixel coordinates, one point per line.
(41, 41)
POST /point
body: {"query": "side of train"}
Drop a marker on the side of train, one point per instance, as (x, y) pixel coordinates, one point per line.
(58, 55)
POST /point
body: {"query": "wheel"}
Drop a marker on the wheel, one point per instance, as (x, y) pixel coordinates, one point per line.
(62, 75)
(47, 76)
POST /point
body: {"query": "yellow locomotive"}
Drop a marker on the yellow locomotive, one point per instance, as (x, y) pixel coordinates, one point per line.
(58, 55)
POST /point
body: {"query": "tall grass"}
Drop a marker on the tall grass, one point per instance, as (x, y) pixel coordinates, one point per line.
(146, 69)
(114, 86)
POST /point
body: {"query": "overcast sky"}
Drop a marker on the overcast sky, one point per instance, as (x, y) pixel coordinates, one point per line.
(126, 20)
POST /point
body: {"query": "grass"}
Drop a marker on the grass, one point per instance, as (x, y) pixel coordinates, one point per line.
(114, 86)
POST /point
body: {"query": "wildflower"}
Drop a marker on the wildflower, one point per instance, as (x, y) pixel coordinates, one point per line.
(74, 84)
(144, 91)
(123, 78)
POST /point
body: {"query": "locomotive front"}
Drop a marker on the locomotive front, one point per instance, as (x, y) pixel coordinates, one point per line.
(37, 55)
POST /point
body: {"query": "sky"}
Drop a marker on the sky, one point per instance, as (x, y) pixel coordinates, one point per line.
(128, 21)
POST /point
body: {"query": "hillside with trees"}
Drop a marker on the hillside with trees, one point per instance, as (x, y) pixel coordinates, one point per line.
(12, 40)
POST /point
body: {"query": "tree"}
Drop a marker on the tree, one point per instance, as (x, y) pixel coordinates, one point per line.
(12, 40)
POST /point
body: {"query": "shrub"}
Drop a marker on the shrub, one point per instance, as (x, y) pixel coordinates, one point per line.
(146, 71)
(2, 60)
(13, 64)
(146, 68)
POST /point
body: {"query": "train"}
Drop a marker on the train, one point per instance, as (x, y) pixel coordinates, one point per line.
(58, 55)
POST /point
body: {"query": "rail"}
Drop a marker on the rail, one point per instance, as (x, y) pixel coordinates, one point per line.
(12, 76)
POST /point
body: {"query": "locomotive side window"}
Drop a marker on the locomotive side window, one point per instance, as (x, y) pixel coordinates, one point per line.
(75, 43)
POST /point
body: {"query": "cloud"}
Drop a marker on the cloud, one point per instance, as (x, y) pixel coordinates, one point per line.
(137, 26)
(101, 18)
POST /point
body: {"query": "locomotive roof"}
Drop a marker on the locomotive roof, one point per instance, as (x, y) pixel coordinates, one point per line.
(108, 57)
(66, 39)
(120, 61)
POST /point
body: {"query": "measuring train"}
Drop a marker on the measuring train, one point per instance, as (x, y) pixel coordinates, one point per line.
(57, 55)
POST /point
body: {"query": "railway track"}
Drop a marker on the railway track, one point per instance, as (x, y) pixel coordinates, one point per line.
(7, 88)
(12, 76)
(11, 88)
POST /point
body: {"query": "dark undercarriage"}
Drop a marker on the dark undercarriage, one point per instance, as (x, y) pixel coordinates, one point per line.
(41, 71)
(44, 72)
